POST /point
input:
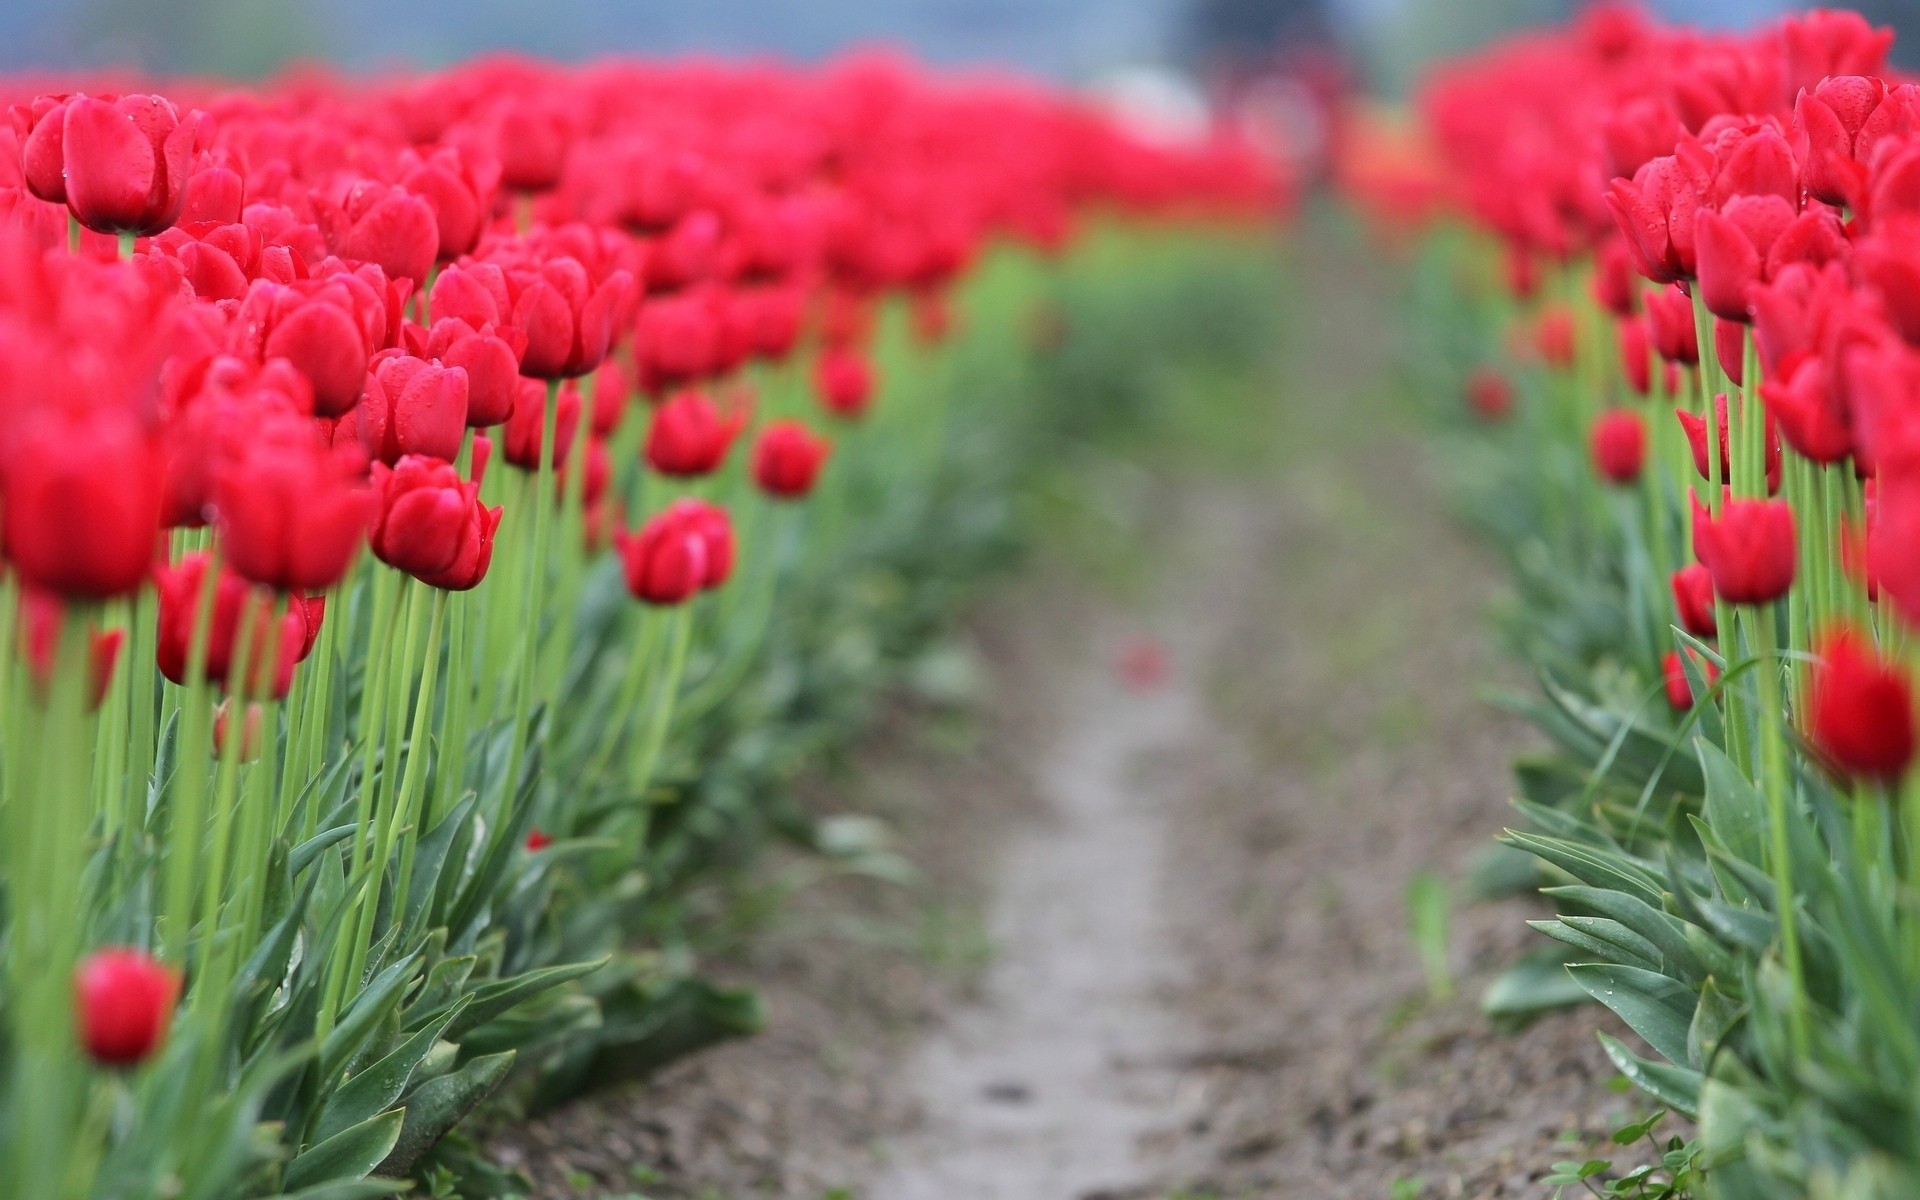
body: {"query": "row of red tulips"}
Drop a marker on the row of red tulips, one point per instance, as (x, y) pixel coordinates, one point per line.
(317, 836)
(1702, 251)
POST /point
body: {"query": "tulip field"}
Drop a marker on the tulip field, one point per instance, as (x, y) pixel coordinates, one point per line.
(447, 518)
(438, 514)
(1674, 274)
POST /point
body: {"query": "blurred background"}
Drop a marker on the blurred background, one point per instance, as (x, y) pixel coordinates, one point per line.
(1068, 40)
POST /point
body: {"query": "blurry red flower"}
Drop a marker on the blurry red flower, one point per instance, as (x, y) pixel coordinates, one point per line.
(1619, 445)
(689, 437)
(787, 459)
(1749, 550)
(125, 1001)
(1693, 600)
(1860, 708)
(845, 381)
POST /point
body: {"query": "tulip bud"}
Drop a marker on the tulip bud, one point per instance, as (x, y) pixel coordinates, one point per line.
(126, 1003)
(1670, 317)
(431, 525)
(710, 523)
(845, 381)
(182, 587)
(123, 161)
(1489, 394)
(491, 360)
(665, 563)
(40, 637)
(1693, 600)
(1674, 672)
(1749, 550)
(1860, 709)
(1695, 427)
(787, 459)
(413, 407)
(525, 429)
(688, 437)
(291, 513)
(82, 499)
(1619, 445)
(250, 736)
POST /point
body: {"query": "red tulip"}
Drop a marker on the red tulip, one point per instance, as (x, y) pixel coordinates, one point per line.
(1805, 408)
(537, 840)
(525, 430)
(413, 407)
(1836, 126)
(1827, 42)
(568, 318)
(1860, 708)
(1636, 352)
(1749, 550)
(459, 187)
(430, 524)
(40, 637)
(181, 588)
(1693, 600)
(1655, 210)
(688, 437)
(1674, 675)
(125, 1001)
(710, 523)
(666, 563)
(327, 328)
(81, 499)
(1670, 318)
(1619, 445)
(1489, 394)
(787, 459)
(491, 359)
(387, 226)
(612, 388)
(676, 340)
(118, 163)
(291, 513)
(1695, 427)
(845, 381)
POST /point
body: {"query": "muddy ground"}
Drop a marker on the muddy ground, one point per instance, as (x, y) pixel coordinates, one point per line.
(1160, 949)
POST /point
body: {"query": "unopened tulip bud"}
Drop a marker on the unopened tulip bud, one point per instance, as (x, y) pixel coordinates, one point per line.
(125, 1000)
(1619, 445)
(787, 459)
(1749, 550)
(1860, 709)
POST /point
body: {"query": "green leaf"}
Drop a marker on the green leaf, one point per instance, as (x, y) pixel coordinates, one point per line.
(1428, 922)
(1735, 810)
(374, 1089)
(492, 999)
(1654, 1006)
(439, 1104)
(1676, 1087)
(1715, 1015)
(375, 1002)
(348, 1155)
(1537, 984)
(1662, 930)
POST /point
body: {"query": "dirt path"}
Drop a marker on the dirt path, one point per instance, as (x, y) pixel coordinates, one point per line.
(1052, 1083)
(1168, 956)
